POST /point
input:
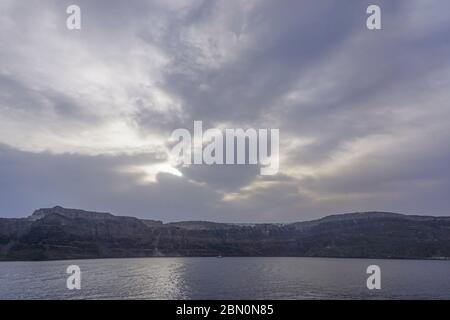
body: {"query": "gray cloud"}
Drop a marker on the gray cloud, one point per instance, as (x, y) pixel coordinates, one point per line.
(363, 114)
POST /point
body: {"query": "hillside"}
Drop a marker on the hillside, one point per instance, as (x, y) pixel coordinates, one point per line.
(59, 233)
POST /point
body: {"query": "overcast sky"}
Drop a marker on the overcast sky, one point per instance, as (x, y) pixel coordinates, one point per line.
(364, 116)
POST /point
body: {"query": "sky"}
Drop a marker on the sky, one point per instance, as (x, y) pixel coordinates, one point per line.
(86, 115)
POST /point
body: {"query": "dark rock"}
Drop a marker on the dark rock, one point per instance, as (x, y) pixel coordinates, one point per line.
(59, 233)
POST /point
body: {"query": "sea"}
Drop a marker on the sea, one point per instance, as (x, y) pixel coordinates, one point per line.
(225, 278)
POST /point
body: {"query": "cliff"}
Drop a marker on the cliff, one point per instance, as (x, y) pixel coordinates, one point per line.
(59, 233)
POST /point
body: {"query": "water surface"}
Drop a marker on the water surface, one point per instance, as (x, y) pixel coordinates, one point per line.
(226, 278)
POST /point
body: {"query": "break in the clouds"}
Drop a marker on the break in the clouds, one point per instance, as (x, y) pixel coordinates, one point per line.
(364, 116)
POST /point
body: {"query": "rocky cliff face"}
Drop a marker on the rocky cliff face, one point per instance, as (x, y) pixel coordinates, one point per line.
(59, 233)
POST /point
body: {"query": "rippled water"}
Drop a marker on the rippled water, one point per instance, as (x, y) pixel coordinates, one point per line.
(226, 278)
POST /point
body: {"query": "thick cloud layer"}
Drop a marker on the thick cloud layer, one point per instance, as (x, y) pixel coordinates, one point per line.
(364, 116)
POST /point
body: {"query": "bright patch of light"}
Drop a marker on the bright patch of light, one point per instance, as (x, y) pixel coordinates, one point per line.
(150, 172)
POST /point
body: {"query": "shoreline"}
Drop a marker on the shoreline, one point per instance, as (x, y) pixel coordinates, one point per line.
(228, 257)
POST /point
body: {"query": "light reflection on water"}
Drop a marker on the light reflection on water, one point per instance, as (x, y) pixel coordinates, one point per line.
(226, 278)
